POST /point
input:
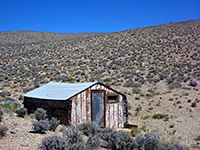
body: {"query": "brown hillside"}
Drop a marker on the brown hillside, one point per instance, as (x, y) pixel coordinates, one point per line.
(157, 67)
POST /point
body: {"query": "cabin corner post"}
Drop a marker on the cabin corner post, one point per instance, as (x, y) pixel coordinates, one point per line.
(125, 110)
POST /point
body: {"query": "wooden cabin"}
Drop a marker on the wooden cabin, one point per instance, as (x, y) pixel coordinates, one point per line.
(80, 102)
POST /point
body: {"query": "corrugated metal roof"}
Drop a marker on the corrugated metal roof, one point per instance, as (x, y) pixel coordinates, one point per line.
(58, 91)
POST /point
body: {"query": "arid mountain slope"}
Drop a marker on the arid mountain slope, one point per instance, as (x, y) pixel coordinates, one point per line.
(158, 67)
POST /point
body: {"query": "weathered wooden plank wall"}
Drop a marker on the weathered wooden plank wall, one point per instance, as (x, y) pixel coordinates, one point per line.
(55, 108)
(81, 108)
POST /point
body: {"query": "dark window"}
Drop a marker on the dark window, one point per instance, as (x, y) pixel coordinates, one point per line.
(112, 98)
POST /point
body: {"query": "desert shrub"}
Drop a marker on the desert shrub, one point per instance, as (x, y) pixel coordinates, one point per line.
(153, 91)
(88, 128)
(144, 128)
(93, 142)
(117, 140)
(76, 146)
(135, 131)
(53, 143)
(40, 114)
(75, 140)
(120, 141)
(193, 83)
(136, 90)
(171, 125)
(150, 108)
(53, 124)
(125, 141)
(41, 126)
(3, 130)
(149, 95)
(138, 108)
(185, 94)
(105, 133)
(172, 146)
(159, 116)
(72, 134)
(1, 115)
(10, 106)
(32, 115)
(197, 138)
(148, 141)
(107, 80)
(158, 103)
(71, 80)
(112, 138)
(194, 104)
(175, 84)
(21, 112)
(128, 83)
(72, 140)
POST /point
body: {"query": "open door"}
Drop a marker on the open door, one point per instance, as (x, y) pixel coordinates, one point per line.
(98, 108)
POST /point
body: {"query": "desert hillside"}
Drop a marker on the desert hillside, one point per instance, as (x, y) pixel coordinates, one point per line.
(157, 67)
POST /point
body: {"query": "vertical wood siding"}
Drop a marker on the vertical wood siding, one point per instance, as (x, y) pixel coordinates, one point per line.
(81, 108)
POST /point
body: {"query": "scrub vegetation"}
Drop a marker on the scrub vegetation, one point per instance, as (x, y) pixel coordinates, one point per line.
(157, 67)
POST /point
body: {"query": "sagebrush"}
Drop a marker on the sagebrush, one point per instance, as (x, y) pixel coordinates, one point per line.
(21, 112)
(41, 126)
(40, 114)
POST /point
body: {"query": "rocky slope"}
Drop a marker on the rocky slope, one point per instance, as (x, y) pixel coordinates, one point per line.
(158, 67)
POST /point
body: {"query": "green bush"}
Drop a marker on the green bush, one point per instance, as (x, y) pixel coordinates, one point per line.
(11, 107)
(70, 79)
(159, 116)
(150, 108)
(145, 117)
(149, 95)
(172, 125)
(174, 131)
(138, 108)
(194, 104)
(185, 94)
(107, 80)
(197, 138)
(32, 115)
